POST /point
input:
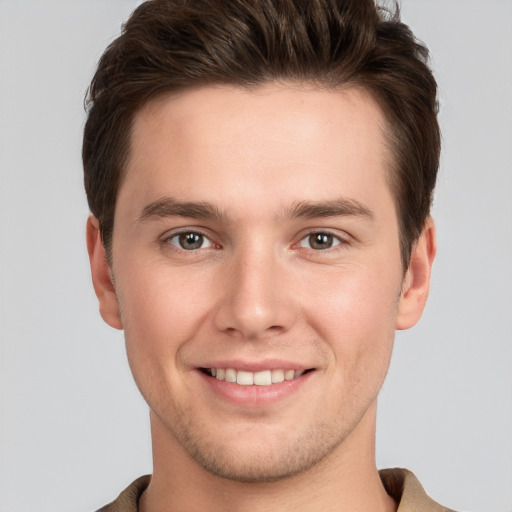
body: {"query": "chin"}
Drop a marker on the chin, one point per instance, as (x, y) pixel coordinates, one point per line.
(262, 459)
(256, 468)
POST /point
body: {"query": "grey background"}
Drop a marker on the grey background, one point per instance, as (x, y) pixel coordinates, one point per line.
(73, 429)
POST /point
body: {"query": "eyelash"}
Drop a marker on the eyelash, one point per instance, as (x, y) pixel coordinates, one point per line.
(177, 245)
(337, 241)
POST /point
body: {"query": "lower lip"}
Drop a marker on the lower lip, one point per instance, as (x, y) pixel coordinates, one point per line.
(255, 397)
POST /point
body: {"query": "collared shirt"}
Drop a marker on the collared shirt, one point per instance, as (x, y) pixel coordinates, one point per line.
(407, 491)
(400, 484)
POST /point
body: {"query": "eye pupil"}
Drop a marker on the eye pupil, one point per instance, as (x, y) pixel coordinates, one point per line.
(321, 241)
(191, 241)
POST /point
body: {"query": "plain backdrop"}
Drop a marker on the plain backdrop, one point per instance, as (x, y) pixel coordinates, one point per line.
(73, 428)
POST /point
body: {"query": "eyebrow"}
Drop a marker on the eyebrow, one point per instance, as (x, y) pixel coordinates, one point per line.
(333, 208)
(170, 207)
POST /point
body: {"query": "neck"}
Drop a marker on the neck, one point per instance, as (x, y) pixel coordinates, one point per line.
(346, 480)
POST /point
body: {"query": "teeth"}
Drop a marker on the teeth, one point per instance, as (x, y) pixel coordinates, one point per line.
(245, 378)
(263, 378)
(230, 375)
(277, 375)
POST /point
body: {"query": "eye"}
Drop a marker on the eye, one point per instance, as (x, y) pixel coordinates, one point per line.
(320, 241)
(190, 241)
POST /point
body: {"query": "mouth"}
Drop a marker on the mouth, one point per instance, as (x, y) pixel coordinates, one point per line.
(260, 378)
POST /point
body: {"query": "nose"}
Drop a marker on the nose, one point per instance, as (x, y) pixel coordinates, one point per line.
(257, 296)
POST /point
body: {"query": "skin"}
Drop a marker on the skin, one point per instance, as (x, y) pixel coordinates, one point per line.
(277, 166)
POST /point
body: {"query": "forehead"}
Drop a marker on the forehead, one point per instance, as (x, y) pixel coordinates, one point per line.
(286, 137)
(316, 111)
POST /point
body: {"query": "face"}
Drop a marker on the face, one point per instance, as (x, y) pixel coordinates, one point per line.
(257, 272)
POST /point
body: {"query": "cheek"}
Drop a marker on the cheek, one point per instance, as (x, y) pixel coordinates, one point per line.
(355, 312)
(161, 310)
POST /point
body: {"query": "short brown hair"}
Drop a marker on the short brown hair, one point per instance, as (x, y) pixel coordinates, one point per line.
(171, 45)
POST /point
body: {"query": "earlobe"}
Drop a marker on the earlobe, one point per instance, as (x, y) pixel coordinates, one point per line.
(416, 283)
(102, 276)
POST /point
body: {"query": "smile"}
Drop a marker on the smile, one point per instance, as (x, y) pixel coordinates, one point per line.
(245, 378)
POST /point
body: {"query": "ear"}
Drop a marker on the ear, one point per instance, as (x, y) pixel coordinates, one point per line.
(102, 275)
(416, 283)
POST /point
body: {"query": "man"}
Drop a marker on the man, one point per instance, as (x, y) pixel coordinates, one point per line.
(260, 177)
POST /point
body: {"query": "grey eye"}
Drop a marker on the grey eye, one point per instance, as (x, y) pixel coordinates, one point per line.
(190, 241)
